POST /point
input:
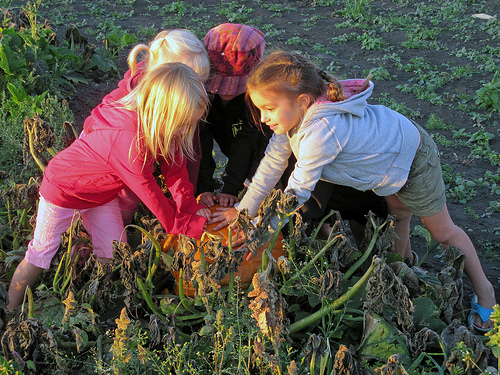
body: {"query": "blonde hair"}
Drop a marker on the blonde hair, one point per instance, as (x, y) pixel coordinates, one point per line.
(166, 101)
(173, 46)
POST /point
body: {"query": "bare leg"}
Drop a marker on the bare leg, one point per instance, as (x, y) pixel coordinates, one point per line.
(443, 230)
(25, 274)
(403, 217)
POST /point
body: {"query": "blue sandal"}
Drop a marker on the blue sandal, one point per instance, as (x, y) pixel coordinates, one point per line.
(483, 313)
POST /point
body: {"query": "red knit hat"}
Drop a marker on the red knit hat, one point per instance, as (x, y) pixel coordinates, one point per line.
(233, 50)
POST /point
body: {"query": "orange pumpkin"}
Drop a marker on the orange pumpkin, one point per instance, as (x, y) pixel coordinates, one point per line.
(246, 270)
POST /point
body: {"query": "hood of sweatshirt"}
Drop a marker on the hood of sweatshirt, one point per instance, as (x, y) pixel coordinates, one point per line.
(355, 104)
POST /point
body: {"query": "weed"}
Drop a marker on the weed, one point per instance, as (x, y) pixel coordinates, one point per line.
(279, 8)
(234, 12)
(323, 49)
(380, 73)
(421, 38)
(271, 31)
(458, 187)
(399, 107)
(370, 41)
(436, 123)
(297, 40)
(175, 7)
(488, 96)
(10, 367)
(356, 9)
(148, 33)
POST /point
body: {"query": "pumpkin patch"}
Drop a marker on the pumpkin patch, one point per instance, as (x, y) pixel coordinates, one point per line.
(245, 271)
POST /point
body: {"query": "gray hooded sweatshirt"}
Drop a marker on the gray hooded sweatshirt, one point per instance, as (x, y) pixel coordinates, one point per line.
(351, 143)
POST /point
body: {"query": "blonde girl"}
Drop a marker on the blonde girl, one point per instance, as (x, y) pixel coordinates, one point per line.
(349, 142)
(152, 125)
(177, 45)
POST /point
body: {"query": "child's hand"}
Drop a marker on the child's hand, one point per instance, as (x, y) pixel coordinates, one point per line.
(226, 200)
(224, 216)
(204, 212)
(238, 239)
(206, 198)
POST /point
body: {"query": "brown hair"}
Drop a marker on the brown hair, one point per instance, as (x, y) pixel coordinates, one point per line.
(291, 74)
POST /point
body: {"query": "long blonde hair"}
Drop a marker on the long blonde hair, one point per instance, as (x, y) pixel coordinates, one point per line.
(166, 101)
(177, 45)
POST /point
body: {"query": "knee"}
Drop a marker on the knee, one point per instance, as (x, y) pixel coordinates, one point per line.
(401, 216)
(444, 235)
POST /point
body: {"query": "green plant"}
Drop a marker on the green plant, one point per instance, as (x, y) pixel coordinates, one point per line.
(488, 96)
(494, 334)
(436, 123)
(176, 7)
(117, 42)
(234, 12)
(10, 367)
(380, 74)
(279, 8)
(147, 32)
(297, 40)
(356, 9)
(399, 107)
(421, 38)
(370, 41)
(215, 332)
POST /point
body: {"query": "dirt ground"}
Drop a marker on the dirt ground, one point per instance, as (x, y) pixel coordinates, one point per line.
(311, 28)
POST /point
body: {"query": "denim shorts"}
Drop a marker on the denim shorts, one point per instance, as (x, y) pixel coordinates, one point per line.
(103, 223)
(424, 193)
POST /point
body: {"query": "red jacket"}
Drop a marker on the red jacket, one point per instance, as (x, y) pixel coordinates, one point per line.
(125, 86)
(95, 168)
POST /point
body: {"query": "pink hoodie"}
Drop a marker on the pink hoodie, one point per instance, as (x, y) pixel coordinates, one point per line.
(96, 167)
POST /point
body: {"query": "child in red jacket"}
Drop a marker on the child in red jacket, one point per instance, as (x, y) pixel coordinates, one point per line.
(154, 124)
(176, 45)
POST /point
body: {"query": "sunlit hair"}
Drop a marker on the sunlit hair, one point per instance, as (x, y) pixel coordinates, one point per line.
(166, 101)
(173, 46)
(291, 74)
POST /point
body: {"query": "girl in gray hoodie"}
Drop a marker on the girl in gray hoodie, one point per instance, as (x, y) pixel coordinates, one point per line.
(344, 140)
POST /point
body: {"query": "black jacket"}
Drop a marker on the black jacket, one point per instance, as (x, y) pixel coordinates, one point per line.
(243, 143)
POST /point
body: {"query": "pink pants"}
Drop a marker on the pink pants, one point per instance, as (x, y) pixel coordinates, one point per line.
(104, 225)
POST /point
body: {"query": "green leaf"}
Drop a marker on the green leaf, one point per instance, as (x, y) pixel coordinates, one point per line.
(106, 64)
(313, 299)
(4, 62)
(76, 77)
(128, 39)
(31, 365)
(496, 351)
(426, 314)
(167, 259)
(18, 94)
(81, 338)
(381, 340)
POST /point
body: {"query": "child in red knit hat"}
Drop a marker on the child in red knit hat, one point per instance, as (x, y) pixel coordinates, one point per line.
(233, 50)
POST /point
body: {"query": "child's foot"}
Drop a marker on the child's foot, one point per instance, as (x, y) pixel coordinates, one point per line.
(479, 317)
